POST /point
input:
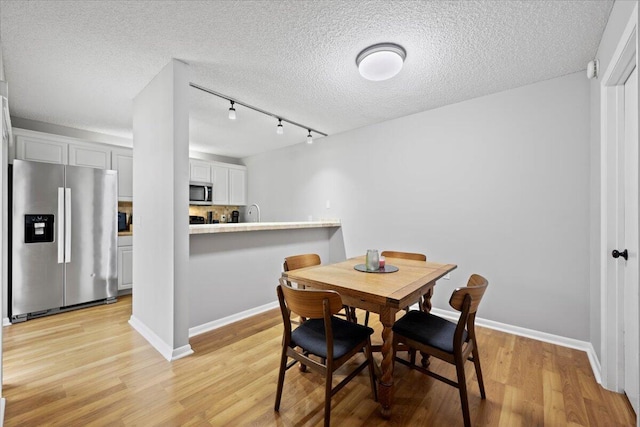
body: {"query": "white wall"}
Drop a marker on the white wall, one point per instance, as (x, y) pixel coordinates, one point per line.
(617, 20)
(160, 189)
(230, 273)
(498, 185)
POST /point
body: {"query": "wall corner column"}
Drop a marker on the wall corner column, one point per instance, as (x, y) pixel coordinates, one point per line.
(160, 190)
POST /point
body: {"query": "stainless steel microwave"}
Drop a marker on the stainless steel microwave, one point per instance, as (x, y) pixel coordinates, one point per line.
(200, 193)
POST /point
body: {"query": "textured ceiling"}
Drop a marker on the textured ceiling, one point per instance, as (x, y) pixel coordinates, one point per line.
(80, 63)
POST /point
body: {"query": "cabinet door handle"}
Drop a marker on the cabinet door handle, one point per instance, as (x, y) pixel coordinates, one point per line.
(624, 254)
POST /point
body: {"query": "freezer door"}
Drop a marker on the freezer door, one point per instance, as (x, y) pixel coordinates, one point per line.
(90, 260)
(37, 274)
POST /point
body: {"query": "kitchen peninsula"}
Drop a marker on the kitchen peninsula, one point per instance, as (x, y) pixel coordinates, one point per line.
(234, 268)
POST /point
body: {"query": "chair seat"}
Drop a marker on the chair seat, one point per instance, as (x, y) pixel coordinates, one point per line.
(310, 336)
(428, 329)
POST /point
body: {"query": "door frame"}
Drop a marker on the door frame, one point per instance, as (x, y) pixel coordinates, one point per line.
(612, 132)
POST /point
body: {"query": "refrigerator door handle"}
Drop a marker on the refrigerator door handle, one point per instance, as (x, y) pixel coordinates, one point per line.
(60, 220)
(67, 225)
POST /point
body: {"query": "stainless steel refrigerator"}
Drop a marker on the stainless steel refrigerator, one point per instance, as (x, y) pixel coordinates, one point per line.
(64, 238)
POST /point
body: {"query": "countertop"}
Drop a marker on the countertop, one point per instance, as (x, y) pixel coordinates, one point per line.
(259, 226)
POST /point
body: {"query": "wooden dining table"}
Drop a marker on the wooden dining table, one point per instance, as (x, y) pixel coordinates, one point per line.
(382, 293)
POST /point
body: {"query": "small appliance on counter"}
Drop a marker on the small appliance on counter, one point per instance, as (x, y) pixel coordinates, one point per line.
(122, 221)
(194, 219)
(235, 216)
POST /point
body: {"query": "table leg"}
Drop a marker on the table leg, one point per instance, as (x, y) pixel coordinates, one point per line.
(426, 300)
(385, 382)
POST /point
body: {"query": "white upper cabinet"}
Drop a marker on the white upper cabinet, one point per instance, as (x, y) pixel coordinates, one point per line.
(49, 148)
(199, 171)
(40, 149)
(220, 179)
(238, 186)
(93, 156)
(122, 161)
(229, 181)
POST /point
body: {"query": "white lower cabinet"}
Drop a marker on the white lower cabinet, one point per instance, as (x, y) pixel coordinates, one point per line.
(125, 267)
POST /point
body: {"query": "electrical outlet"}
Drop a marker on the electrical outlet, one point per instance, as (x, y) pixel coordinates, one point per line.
(328, 204)
(447, 276)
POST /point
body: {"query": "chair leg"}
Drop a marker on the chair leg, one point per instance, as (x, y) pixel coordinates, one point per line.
(327, 398)
(372, 374)
(283, 368)
(354, 318)
(476, 362)
(462, 387)
(412, 356)
(366, 319)
(302, 366)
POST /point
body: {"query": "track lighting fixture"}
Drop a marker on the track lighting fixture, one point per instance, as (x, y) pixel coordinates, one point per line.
(279, 128)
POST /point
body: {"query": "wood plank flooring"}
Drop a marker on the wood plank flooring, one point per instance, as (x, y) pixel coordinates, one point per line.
(90, 368)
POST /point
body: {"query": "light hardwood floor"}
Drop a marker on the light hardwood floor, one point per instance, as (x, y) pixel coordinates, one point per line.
(89, 367)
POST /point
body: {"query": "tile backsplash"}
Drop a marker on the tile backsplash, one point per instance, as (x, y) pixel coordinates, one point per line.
(218, 211)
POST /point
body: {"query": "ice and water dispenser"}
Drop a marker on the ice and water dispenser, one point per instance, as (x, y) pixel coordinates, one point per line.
(38, 228)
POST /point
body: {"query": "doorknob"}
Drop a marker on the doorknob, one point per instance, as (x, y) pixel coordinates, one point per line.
(624, 254)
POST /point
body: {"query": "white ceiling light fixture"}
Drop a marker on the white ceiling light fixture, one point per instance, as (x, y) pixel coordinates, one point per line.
(309, 137)
(381, 61)
(232, 112)
(279, 129)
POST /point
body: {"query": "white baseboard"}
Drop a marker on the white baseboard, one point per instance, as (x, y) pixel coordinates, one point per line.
(6, 321)
(210, 326)
(165, 350)
(585, 346)
(3, 402)
(180, 352)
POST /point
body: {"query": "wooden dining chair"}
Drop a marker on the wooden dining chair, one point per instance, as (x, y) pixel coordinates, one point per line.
(335, 341)
(295, 262)
(448, 341)
(402, 255)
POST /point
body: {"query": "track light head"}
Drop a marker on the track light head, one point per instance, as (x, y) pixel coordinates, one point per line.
(279, 128)
(309, 137)
(232, 112)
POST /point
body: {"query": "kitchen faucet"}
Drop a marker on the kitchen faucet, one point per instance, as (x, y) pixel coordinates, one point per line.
(257, 209)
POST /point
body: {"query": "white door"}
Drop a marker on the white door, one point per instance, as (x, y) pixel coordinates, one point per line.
(631, 267)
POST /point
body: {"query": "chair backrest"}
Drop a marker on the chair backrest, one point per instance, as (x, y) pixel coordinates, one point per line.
(308, 303)
(404, 255)
(300, 261)
(476, 286)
